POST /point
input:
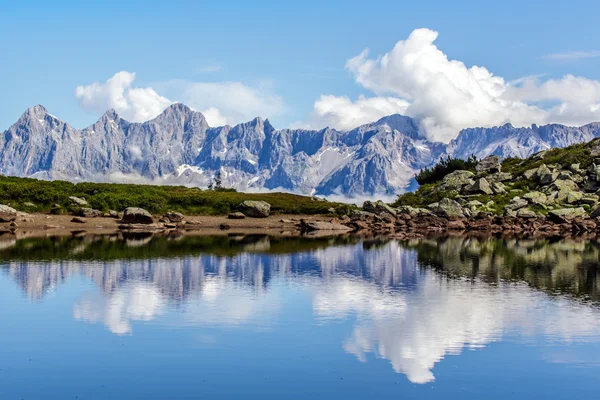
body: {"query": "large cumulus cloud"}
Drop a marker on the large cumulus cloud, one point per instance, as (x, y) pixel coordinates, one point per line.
(448, 96)
(220, 102)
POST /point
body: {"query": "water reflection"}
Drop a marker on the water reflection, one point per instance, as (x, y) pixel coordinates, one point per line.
(412, 303)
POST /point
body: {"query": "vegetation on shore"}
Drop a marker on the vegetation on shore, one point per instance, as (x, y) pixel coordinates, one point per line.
(443, 168)
(32, 195)
(557, 178)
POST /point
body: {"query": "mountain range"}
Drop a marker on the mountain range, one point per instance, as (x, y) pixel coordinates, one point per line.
(179, 147)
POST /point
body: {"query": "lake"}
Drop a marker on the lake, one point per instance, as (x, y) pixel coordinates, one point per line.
(254, 316)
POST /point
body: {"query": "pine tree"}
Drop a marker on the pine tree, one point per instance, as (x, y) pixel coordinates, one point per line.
(218, 180)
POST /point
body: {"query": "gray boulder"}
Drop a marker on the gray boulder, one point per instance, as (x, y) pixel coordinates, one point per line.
(447, 208)
(255, 209)
(7, 214)
(236, 215)
(498, 188)
(456, 180)
(111, 214)
(78, 201)
(312, 226)
(536, 197)
(516, 204)
(489, 165)
(481, 186)
(565, 184)
(597, 172)
(566, 214)
(526, 213)
(530, 173)
(595, 149)
(87, 212)
(561, 196)
(378, 208)
(500, 177)
(564, 175)
(545, 175)
(136, 215)
(575, 168)
(573, 197)
(173, 216)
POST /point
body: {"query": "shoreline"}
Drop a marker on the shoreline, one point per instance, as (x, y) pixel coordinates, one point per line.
(44, 225)
(360, 223)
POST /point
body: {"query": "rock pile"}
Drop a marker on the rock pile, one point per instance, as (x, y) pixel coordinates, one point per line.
(447, 215)
(548, 198)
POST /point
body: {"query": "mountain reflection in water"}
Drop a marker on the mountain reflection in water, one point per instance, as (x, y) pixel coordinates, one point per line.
(412, 302)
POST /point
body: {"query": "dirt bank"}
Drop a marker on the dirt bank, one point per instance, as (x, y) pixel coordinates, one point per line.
(58, 225)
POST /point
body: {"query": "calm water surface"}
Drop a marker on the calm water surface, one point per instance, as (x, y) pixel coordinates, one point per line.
(265, 317)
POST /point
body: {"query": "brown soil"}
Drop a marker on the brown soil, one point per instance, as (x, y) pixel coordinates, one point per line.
(57, 225)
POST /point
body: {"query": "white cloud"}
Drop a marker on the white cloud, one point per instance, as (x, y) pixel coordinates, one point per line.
(571, 89)
(343, 113)
(573, 55)
(138, 302)
(133, 104)
(214, 117)
(448, 96)
(229, 102)
(417, 328)
(221, 102)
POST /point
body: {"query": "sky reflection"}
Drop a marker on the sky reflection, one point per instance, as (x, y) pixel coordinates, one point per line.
(411, 303)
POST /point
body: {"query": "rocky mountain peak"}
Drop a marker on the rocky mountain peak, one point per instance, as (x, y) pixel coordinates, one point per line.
(177, 108)
(110, 115)
(401, 123)
(36, 112)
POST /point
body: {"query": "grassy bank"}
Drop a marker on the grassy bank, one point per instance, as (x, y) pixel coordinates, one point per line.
(570, 170)
(18, 192)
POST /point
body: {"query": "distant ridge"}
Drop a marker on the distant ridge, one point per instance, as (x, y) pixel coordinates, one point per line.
(179, 147)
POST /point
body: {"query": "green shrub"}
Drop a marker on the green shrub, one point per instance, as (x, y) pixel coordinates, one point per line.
(155, 199)
(575, 154)
(443, 168)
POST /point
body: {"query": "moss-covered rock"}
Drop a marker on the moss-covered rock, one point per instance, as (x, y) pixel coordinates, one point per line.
(536, 197)
(255, 209)
(447, 208)
(378, 207)
(566, 214)
(457, 180)
(480, 186)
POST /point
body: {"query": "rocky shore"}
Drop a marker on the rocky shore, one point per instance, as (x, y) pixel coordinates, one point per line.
(409, 222)
(137, 220)
(547, 193)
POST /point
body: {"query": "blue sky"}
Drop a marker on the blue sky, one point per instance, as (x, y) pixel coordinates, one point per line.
(286, 54)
